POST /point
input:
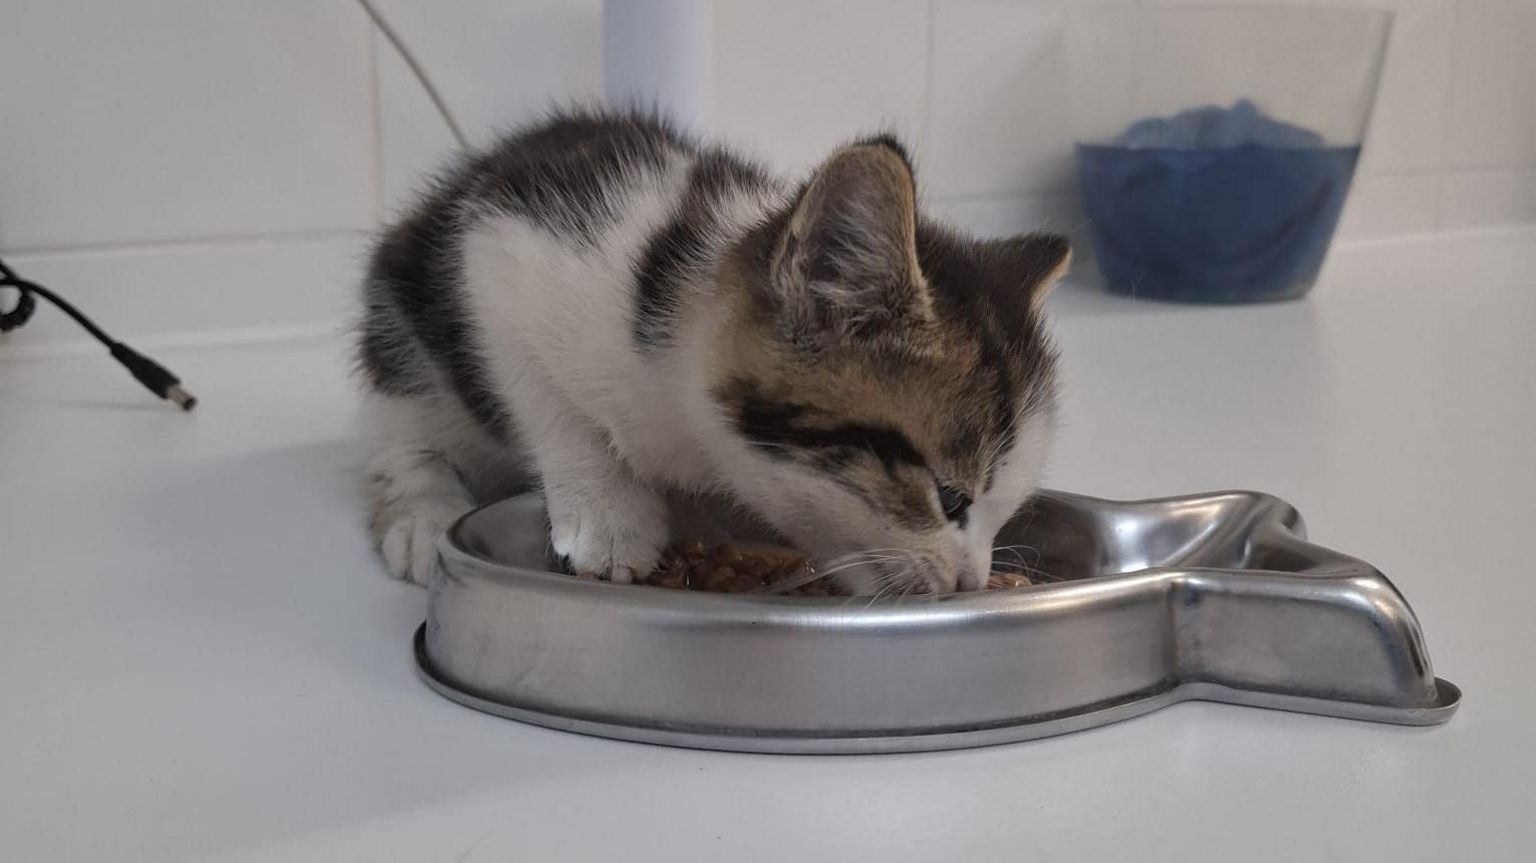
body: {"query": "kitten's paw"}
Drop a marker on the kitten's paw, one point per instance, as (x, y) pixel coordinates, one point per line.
(408, 541)
(621, 539)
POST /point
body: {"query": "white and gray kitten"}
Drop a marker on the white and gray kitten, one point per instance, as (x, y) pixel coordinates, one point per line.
(616, 312)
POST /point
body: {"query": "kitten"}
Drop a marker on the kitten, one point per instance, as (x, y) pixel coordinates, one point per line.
(615, 311)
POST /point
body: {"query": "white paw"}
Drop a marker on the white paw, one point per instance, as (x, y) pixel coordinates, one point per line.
(621, 538)
(408, 541)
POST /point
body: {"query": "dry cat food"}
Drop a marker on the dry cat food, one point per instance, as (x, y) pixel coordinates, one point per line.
(1007, 580)
(725, 568)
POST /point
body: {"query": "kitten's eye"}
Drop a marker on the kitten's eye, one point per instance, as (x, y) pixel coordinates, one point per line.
(955, 503)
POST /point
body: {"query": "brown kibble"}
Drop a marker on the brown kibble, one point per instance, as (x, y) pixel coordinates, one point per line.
(674, 578)
(693, 565)
(1007, 581)
(724, 554)
(798, 570)
(743, 584)
(690, 550)
(779, 559)
(759, 566)
(716, 577)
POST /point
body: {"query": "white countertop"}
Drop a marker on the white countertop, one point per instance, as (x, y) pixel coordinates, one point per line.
(200, 658)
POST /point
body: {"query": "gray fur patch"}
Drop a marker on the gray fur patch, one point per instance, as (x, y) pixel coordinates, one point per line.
(682, 245)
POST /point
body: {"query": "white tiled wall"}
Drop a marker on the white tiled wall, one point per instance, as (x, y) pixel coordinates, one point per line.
(794, 77)
(988, 135)
(1450, 145)
(498, 56)
(180, 165)
(150, 121)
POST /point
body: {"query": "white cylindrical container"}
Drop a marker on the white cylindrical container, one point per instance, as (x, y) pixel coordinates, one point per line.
(661, 53)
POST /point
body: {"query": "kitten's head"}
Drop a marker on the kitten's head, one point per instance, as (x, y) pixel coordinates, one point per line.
(886, 385)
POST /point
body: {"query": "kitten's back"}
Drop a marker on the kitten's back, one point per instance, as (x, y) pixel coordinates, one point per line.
(569, 176)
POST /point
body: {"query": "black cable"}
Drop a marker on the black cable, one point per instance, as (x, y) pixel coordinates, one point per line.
(155, 377)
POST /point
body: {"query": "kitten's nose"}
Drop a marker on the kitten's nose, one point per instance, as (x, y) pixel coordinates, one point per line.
(973, 573)
(951, 573)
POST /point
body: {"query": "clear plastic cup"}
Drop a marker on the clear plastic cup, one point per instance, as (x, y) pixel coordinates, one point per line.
(1215, 145)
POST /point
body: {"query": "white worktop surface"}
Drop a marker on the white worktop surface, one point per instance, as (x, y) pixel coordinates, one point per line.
(201, 659)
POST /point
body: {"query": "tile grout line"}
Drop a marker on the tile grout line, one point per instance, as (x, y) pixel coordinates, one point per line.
(929, 42)
(417, 70)
(1487, 231)
(375, 125)
(1453, 67)
(331, 328)
(983, 197)
(323, 330)
(179, 243)
(1418, 173)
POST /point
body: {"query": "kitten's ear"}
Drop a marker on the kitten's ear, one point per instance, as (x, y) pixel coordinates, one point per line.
(845, 264)
(1040, 260)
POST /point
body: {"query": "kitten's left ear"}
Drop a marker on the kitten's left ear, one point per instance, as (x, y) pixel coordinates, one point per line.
(1039, 261)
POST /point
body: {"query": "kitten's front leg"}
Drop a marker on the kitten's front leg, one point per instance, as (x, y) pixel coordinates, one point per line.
(602, 518)
(618, 529)
(416, 496)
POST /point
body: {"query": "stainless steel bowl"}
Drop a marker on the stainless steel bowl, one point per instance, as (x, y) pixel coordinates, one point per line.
(1215, 597)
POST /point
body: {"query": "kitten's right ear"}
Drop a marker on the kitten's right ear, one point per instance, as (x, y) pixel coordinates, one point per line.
(1038, 261)
(845, 263)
